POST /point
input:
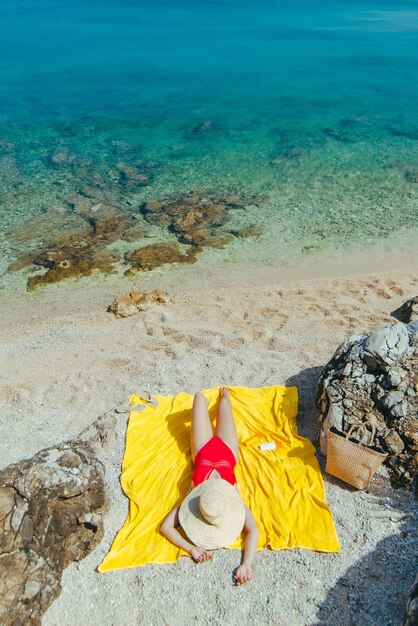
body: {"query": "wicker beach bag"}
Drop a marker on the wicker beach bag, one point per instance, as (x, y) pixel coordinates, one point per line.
(353, 462)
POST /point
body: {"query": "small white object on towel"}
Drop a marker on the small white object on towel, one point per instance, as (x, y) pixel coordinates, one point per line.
(268, 446)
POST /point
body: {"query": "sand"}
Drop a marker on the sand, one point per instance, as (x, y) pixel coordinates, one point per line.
(65, 361)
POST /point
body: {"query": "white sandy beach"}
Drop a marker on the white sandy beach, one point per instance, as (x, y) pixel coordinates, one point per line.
(65, 361)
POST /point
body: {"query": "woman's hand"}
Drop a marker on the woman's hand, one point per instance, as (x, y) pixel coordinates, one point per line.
(200, 555)
(243, 574)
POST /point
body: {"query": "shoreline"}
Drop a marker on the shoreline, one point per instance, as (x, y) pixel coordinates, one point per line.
(397, 253)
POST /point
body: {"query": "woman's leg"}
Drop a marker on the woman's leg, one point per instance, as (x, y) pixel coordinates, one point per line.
(201, 426)
(225, 424)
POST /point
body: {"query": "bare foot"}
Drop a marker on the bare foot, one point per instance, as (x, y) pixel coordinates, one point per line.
(224, 391)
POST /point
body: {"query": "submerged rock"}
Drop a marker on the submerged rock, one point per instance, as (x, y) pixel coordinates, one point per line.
(50, 515)
(72, 241)
(131, 176)
(135, 233)
(61, 156)
(412, 176)
(337, 135)
(292, 153)
(252, 231)
(157, 254)
(196, 218)
(374, 379)
(203, 127)
(76, 251)
(71, 262)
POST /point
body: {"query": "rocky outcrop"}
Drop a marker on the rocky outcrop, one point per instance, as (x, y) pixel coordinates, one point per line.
(74, 240)
(196, 218)
(75, 251)
(374, 379)
(50, 515)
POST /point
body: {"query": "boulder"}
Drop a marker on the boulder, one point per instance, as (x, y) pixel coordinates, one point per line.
(374, 379)
(386, 346)
(131, 304)
(50, 515)
(122, 306)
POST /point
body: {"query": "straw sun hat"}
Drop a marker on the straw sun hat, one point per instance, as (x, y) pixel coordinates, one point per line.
(212, 515)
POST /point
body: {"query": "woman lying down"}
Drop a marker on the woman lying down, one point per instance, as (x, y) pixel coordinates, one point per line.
(213, 515)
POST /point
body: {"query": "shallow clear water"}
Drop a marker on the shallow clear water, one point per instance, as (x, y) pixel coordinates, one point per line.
(310, 111)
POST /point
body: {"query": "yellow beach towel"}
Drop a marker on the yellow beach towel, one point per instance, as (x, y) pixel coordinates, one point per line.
(283, 487)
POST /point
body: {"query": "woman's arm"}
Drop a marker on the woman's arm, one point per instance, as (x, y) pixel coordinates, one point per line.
(168, 529)
(244, 572)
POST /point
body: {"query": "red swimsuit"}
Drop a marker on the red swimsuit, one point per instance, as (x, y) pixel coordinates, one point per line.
(214, 455)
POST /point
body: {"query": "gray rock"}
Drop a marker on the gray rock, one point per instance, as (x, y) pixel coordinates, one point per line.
(376, 422)
(32, 588)
(386, 346)
(392, 398)
(401, 409)
(413, 332)
(369, 378)
(394, 377)
(393, 442)
(334, 394)
(335, 416)
(347, 369)
(357, 371)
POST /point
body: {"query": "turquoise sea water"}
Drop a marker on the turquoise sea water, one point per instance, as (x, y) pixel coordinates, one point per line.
(308, 109)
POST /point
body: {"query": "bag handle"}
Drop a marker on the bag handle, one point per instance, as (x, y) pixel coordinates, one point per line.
(362, 426)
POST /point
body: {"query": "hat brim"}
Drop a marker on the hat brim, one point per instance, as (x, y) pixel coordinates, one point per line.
(207, 535)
